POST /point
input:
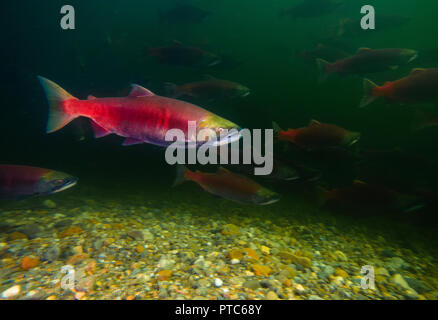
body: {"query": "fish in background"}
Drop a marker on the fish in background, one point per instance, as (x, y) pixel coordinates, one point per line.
(424, 119)
(318, 136)
(310, 9)
(369, 198)
(324, 52)
(350, 28)
(367, 61)
(210, 89)
(181, 55)
(183, 13)
(21, 182)
(229, 185)
(282, 170)
(141, 117)
(420, 86)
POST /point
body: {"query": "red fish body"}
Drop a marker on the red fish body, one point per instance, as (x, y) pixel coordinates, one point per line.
(142, 117)
(181, 55)
(230, 186)
(420, 86)
(319, 135)
(211, 88)
(21, 181)
(367, 61)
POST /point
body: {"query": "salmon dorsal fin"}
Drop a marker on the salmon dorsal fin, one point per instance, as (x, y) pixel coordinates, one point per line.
(222, 170)
(139, 91)
(359, 182)
(209, 77)
(90, 97)
(362, 50)
(314, 123)
(417, 70)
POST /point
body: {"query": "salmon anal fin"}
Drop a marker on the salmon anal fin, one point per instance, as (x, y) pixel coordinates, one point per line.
(90, 97)
(99, 131)
(130, 142)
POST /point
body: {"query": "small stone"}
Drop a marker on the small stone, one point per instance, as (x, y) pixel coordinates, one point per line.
(136, 235)
(314, 297)
(341, 273)
(16, 236)
(251, 284)
(326, 272)
(340, 256)
(29, 263)
(74, 230)
(395, 263)
(11, 293)
(271, 295)
(147, 235)
(251, 253)
(235, 254)
(49, 204)
(31, 230)
(417, 285)
(398, 280)
(235, 261)
(218, 282)
(78, 249)
(230, 230)
(164, 275)
(166, 264)
(265, 250)
(382, 272)
(261, 270)
(52, 253)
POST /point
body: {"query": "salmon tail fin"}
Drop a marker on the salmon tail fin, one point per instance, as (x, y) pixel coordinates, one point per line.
(56, 96)
(369, 97)
(323, 196)
(276, 128)
(322, 67)
(180, 175)
(420, 120)
(171, 90)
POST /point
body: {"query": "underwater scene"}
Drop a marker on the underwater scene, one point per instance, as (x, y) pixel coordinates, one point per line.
(219, 150)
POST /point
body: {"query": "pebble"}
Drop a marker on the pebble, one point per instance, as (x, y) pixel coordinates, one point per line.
(218, 282)
(398, 280)
(11, 293)
(326, 272)
(271, 295)
(136, 235)
(251, 284)
(49, 204)
(235, 261)
(31, 230)
(52, 253)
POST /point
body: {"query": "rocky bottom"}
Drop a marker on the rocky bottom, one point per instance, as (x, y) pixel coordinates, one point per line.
(178, 247)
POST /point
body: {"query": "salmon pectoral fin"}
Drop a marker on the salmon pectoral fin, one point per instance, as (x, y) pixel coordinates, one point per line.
(99, 131)
(130, 142)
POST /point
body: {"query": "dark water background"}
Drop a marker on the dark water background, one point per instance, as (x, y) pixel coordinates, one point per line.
(284, 86)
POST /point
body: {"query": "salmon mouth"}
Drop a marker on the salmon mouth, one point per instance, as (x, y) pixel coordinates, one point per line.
(68, 185)
(232, 136)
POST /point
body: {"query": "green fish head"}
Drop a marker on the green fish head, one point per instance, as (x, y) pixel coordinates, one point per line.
(55, 181)
(265, 196)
